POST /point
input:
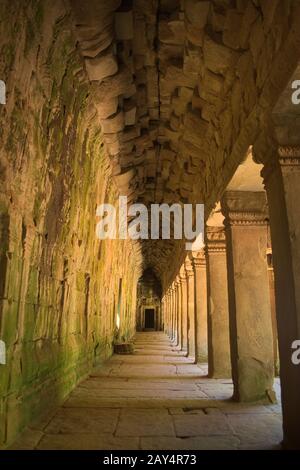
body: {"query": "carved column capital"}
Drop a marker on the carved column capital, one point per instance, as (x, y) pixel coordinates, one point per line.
(198, 258)
(245, 208)
(289, 155)
(189, 268)
(215, 239)
(182, 274)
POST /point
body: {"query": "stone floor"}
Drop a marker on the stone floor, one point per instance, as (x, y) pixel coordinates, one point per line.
(154, 399)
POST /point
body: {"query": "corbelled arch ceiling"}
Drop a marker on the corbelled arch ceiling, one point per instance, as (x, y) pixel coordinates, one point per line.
(180, 88)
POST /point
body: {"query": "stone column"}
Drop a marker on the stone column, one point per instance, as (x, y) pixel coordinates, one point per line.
(281, 176)
(173, 312)
(170, 312)
(179, 313)
(251, 337)
(273, 311)
(192, 341)
(167, 311)
(184, 311)
(175, 335)
(162, 310)
(219, 362)
(162, 313)
(199, 264)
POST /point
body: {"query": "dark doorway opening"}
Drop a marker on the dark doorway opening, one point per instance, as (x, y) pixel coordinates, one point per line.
(149, 318)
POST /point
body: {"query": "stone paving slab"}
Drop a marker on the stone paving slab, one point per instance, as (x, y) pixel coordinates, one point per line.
(201, 425)
(192, 443)
(136, 384)
(87, 420)
(259, 431)
(139, 370)
(93, 401)
(246, 409)
(85, 441)
(155, 399)
(145, 422)
(219, 391)
(99, 393)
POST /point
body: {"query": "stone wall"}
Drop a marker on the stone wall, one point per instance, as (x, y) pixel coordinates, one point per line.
(59, 284)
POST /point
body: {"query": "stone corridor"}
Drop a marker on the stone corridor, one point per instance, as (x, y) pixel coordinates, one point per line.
(112, 111)
(155, 399)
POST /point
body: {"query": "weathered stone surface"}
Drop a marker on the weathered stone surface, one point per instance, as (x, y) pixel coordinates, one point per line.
(55, 263)
(172, 32)
(192, 443)
(150, 412)
(249, 306)
(175, 94)
(201, 424)
(145, 423)
(84, 441)
(217, 290)
(217, 57)
(113, 124)
(107, 108)
(101, 67)
(90, 421)
(197, 12)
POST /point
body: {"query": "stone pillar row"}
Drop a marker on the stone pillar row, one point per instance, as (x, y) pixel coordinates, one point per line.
(221, 306)
(185, 308)
(218, 307)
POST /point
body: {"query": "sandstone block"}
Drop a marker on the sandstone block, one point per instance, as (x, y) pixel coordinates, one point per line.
(101, 67)
(107, 108)
(231, 33)
(197, 12)
(218, 57)
(172, 32)
(113, 124)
